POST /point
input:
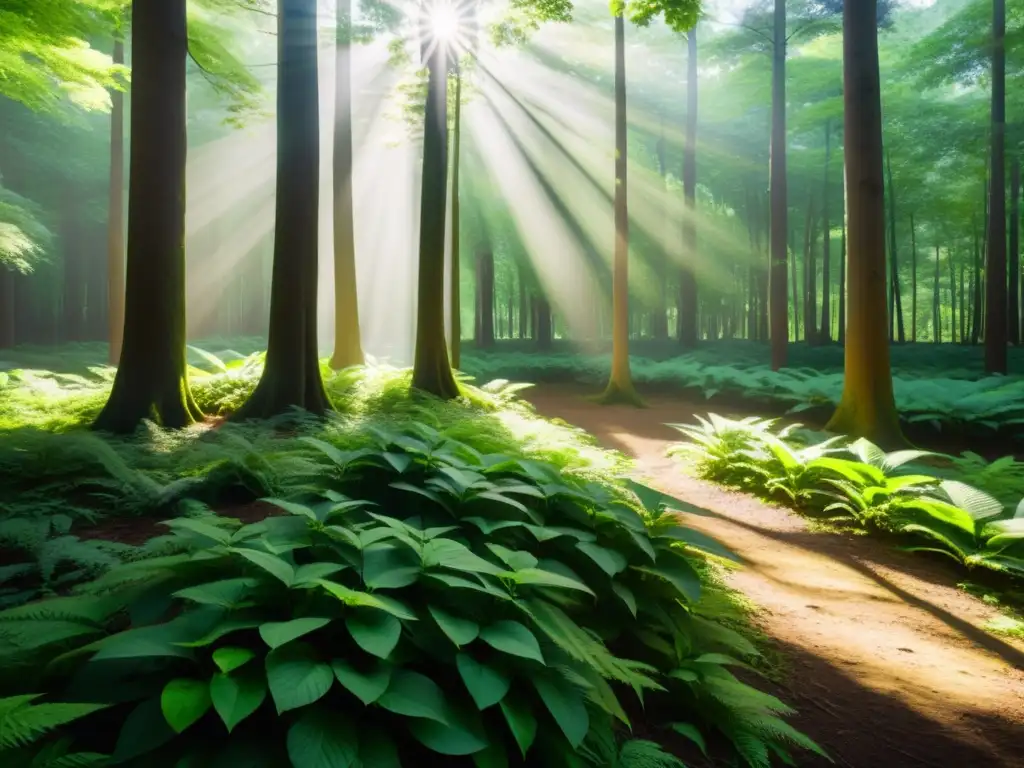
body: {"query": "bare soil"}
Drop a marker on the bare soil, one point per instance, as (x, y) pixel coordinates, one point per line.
(885, 658)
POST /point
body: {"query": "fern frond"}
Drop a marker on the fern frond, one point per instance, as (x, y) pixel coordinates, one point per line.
(23, 722)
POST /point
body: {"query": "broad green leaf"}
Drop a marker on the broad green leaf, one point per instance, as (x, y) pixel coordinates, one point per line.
(293, 508)
(686, 675)
(214, 533)
(690, 731)
(546, 533)
(398, 461)
(237, 696)
(446, 553)
(484, 586)
(272, 564)
(608, 560)
(455, 740)
(355, 599)
(296, 677)
(322, 739)
(227, 593)
(277, 633)
(512, 638)
(521, 722)
(390, 566)
(183, 701)
(376, 632)
(460, 631)
(485, 684)
(229, 658)
(144, 730)
(680, 575)
(626, 595)
(310, 572)
(490, 526)
(225, 627)
(698, 540)
(368, 685)
(515, 560)
(566, 706)
(978, 504)
(543, 578)
(414, 695)
(492, 757)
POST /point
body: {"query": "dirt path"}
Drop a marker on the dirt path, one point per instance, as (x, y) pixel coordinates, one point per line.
(886, 663)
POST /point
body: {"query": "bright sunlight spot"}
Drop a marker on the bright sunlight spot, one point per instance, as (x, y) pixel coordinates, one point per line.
(444, 22)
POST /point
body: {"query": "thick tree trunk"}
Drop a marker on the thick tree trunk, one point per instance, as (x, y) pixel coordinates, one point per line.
(620, 383)
(867, 408)
(825, 334)
(151, 381)
(432, 371)
(995, 267)
(913, 279)
(348, 348)
(455, 285)
(687, 325)
(115, 218)
(779, 197)
(291, 376)
(1013, 257)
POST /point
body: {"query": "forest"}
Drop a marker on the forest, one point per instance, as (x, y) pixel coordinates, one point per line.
(511, 383)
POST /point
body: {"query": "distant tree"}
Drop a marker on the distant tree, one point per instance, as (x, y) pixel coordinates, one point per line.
(867, 408)
(151, 381)
(995, 267)
(291, 377)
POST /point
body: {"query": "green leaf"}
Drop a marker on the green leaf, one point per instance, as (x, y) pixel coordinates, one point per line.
(230, 658)
(485, 684)
(490, 526)
(458, 582)
(277, 633)
(460, 631)
(414, 695)
(367, 686)
(515, 560)
(544, 578)
(626, 595)
(390, 566)
(566, 705)
(144, 730)
(228, 593)
(183, 701)
(355, 599)
(398, 461)
(698, 540)
(296, 677)
(376, 632)
(310, 572)
(322, 739)
(492, 757)
(446, 553)
(214, 533)
(455, 740)
(546, 533)
(690, 731)
(520, 721)
(235, 697)
(608, 560)
(680, 575)
(293, 508)
(272, 564)
(512, 638)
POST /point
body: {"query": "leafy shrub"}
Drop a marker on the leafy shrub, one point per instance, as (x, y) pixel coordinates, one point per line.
(417, 598)
(862, 483)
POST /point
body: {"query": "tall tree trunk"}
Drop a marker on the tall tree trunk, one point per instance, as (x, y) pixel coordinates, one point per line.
(151, 380)
(688, 274)
(963, 306)
(455, 290)
(976, 292)
(896, 306)
(620, 384)
(659, 314)
(542, 322)
(995, 267)
(810, 310)
(825, 334)
(8, 316)
(952, 297)
(913, 279)
(1013, 257)
(937, 300)
(348, 348)
(841, 333)
(867, 408)
(779, 196)
(291, 375)
(484, 335)
(115, 218)
(795, 283)
(432, 371)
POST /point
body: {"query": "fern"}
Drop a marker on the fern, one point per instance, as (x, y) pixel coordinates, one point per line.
(23, 722)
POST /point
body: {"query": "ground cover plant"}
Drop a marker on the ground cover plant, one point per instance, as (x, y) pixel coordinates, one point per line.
(459, 582)
(909, 493)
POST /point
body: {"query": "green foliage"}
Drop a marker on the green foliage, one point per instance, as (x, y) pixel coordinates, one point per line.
(23, 238)
(862, 483)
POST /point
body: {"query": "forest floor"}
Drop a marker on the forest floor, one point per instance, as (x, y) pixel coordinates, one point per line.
(881, 653)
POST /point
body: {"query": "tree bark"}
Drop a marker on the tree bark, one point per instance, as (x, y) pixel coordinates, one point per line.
(896, 303)
(151, 380)
(779, 197)
(291, 376)
(995, 267)
(952, 297)
(867, 408)
(810, 310)
(913, 279)
(484, 334)
(432, 371)
(348, 347)
(542, 322)
(937, 300)
(825, 334)
(620, 384)
(115, 218)
(796, 284)
(841, 333)
(455, 290)
(687, 330)
(1013, 257)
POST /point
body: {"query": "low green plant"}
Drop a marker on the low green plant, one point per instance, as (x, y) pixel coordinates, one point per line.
(892, 492)
(417, 600)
